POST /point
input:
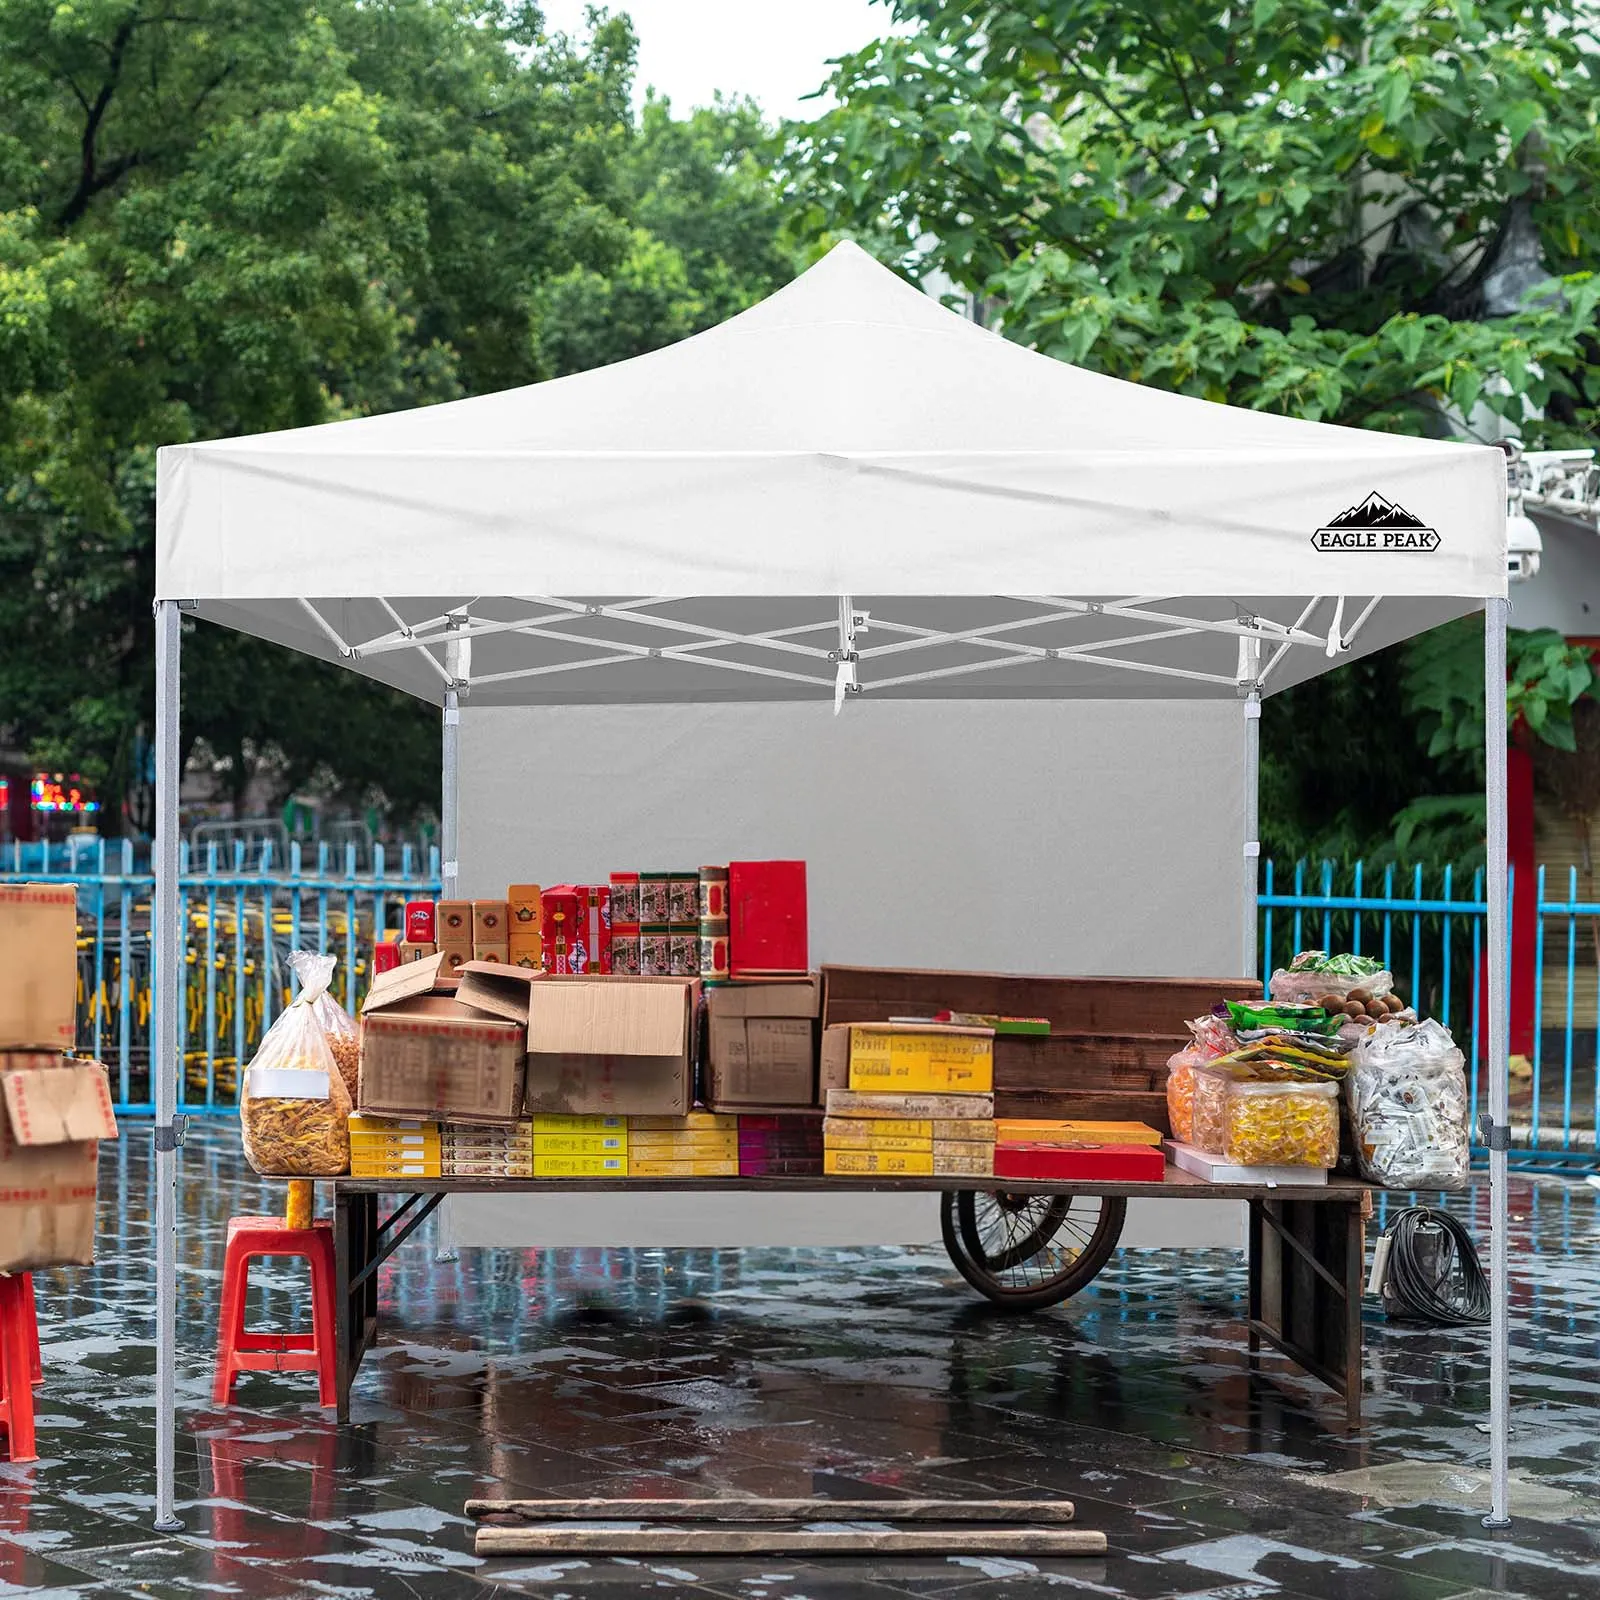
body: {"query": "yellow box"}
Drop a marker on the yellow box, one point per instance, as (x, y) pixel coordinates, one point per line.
(852, 1129)
(875, 1141)
(980, 1164)
(714, 1143)
(579, 1166)
(974, 1130)
(904, 1163)
(360, 1123)
(700, 1167)
(390, 1167)
(580, 1124)
(580, 1144)
(694, 1122)
(902, 1060)
(1075, 1135)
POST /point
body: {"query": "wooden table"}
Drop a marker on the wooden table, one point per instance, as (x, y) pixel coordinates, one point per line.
(1306, 1250)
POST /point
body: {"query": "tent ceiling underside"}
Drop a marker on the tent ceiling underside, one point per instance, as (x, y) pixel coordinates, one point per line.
(532, 650)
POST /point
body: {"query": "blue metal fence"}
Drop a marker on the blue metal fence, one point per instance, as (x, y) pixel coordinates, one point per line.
(1429, 926)
(242, 919)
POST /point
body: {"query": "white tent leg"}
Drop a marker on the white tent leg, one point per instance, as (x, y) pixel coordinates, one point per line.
(1498, 1128)
(164, 1064)
(1252, 828)
(449, 794)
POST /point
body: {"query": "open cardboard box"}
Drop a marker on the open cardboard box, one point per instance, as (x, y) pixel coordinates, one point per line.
(53, 1113)
(610, 1045)
(426, 1053)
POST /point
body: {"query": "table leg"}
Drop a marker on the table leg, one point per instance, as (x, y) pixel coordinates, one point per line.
(343, 1332)
(1305, 1275)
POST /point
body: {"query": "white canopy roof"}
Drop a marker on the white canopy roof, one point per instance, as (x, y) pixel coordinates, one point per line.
(1014, 525)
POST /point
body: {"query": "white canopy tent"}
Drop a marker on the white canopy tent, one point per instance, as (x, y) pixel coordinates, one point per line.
(845, 490)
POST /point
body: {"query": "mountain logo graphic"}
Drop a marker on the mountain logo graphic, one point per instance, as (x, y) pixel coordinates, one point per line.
(1377, 524)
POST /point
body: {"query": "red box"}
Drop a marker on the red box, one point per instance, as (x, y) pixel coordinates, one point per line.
(1100, 1164)
(420, 925)
(559, 926)
(385, 956)
(594, 918)
(767, 917)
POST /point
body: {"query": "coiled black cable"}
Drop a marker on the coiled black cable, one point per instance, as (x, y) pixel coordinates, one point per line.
(1450, 1290)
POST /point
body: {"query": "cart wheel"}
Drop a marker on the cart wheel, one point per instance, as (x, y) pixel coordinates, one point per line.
(1025, 1251)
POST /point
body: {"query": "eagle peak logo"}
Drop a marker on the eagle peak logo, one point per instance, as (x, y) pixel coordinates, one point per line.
(1377, 524)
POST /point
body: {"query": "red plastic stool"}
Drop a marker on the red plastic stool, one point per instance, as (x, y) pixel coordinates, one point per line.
(238, 1351)
(19, 1364)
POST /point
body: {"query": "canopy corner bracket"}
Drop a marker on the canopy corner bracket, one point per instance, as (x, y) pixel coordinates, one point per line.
(846, 657)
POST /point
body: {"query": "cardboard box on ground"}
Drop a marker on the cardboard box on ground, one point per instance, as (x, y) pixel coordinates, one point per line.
(54, 1109)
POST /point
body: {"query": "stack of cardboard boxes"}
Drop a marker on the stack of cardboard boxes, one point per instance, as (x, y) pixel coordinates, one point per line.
(54, 1108)
(917, 1100)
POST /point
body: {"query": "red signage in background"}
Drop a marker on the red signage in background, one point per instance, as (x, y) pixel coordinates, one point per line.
(59, 795)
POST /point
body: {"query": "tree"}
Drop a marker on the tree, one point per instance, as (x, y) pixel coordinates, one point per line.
(223, 218)
(1324, 208)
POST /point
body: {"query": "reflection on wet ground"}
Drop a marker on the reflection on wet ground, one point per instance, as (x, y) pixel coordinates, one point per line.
(796, 1373)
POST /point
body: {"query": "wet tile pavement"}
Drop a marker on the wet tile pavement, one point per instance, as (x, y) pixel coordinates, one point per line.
(868, 1373)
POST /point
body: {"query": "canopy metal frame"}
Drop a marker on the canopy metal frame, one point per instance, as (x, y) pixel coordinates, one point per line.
(844, 666)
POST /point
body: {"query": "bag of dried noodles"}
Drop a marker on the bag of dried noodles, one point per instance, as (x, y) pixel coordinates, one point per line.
(344, 1037)
(294, 1109)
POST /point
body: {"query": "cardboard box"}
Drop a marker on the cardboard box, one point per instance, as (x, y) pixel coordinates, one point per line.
(693, 1122)
(38, 966)
(1074, 1135)
(910, 1058)
(453, 924)
(52, 1117)
(973, 1161)
(361, 1126)
(610, 1046)
(684, 1147)
(855, 1128)
(835, 1140)
(953, 1107)
(767, 917)
(496, 954)
(580, 1166)
(892, 1163)
(522, 906)
(525, 949)
(580, 1144)
(490, 922)
(424, 1053)
(587, 1124)
(762, 1045)
(683, 1167)
(410, 952)
(1112, 1164)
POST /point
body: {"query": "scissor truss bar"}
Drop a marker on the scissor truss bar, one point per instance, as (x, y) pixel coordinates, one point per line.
(994, 645)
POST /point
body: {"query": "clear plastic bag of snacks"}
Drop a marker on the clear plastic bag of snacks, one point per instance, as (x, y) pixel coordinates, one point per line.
(315, 973)
(1407, 1094)
(1288, 1124)
(294, 1109)
(1210, 1037)
(1314, 975)
(1295, 1125)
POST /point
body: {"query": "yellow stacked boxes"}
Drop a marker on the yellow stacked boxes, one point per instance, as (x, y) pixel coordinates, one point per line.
(478, 1150)
(394, 1147)
(580, 1147)
(700, 1145)
(920, 1102)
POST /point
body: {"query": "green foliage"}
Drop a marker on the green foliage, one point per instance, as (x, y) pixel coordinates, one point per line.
(229, 217)
(1289, 206)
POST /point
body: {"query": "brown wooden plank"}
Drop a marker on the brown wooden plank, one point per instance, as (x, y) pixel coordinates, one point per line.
(1077, 1004)
(787, 1541)
(1174, 1185)
(1085, 1105)
(744, 1509)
